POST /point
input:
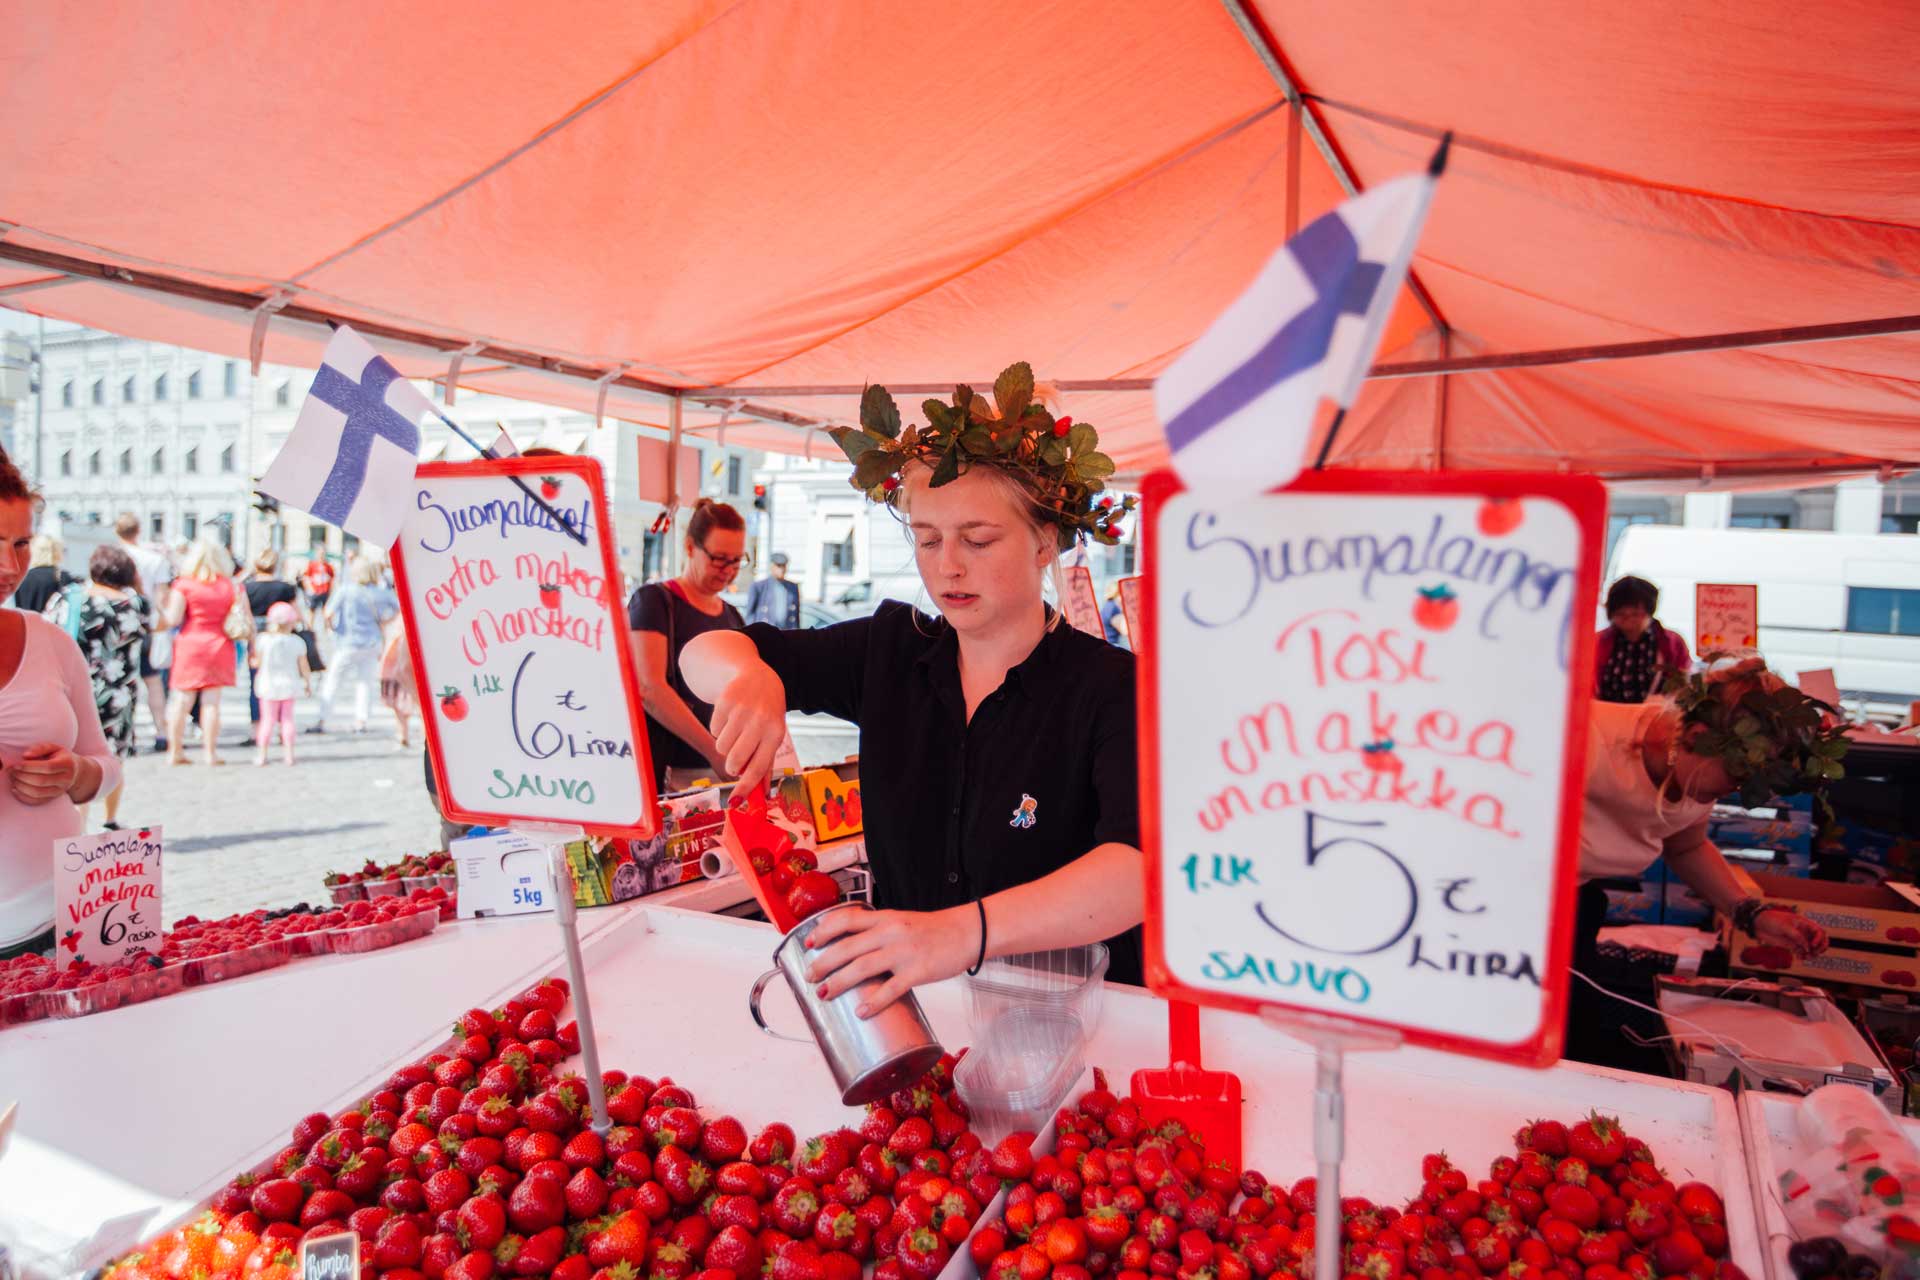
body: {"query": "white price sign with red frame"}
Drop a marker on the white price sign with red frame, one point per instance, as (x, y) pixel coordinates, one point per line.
(1364, 707)
(519, 642)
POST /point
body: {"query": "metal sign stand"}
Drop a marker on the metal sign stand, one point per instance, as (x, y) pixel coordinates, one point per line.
(555, 838)
(1332, 1040)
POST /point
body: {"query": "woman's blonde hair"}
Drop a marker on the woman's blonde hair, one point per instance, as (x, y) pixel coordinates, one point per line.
(206, 560)
(45, 549)
(366, 571)
(266, 562)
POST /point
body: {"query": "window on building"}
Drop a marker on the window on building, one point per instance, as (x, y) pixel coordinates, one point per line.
(160, 387)
(1883, 611)
(126, 462)
(1617, 525)
(1898, 523)
(1767, 520)
(349, 543)
(66, 462)
(733, 475)
(230, 379)
(190, 526)
(93, 517)
(99, 390)
(66, 395)
(191, 463)
(283, 394)
(316, 539)
(126, 391)
(839, 555)
(159, 465)
(226, 460)
(93, 463)
(193, 385)
(156, 525)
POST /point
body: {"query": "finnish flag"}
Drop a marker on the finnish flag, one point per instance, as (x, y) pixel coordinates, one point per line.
(1238, 404)
(351, 456)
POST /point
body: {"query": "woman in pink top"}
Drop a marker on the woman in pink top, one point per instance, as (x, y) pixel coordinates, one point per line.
(203, 656)
(53, 757)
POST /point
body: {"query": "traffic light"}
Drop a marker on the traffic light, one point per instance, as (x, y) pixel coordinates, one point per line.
(759, 497)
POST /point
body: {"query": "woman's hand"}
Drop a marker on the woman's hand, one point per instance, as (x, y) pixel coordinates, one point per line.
(46, 772)
(915, 947)
(1794, 932)
(749, 724)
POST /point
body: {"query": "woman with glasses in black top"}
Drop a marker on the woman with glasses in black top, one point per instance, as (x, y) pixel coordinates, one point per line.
(662, 617)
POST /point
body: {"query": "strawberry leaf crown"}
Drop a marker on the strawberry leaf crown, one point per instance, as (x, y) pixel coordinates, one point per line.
(1773, 740)
(1056, 460)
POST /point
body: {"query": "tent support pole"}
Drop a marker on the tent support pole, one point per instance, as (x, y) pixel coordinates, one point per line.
(1440, 407)
(1268, 50)
(1293, 169)
(672, 550)
(1744, 340)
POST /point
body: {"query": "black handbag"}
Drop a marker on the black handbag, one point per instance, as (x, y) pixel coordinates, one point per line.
(314, 662)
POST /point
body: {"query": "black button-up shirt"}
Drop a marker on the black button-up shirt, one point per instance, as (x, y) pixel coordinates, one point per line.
(956, 810)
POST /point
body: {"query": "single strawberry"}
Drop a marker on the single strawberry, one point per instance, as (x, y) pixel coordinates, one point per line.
(585, 1149)
(483, 1222)
(797, 1260)
(278, 1199)
(541, 1252)
(772, 1145)
(585, 1195)
(399, 1244)
(685, 1178)
(722, 1141)
(620, 1238)
(914, 1135)
(477, 1265)
(438, 1252)
(737, 1249)
(573, 1267)
(447, 1189)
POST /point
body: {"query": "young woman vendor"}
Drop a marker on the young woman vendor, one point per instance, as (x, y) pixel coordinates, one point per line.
(1654, 771)
(996, 742)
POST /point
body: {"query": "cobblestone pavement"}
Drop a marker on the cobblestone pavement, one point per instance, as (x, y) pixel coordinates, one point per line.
(239, 837)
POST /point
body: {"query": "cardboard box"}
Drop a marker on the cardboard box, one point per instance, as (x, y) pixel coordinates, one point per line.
(1883, 914)
(691, 822)
(1797, 1058)
(834, 796)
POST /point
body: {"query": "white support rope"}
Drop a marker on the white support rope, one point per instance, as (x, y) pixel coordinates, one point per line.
(453, 369)
(600, 385)
(257, 341)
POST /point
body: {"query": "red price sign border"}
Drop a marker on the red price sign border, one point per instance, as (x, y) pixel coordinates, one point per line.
(1585, 498)
(588, 469)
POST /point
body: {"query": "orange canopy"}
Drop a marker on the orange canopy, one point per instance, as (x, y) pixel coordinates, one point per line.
(761, 201)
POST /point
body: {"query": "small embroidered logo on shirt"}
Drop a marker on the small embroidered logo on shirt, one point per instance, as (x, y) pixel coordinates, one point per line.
(1023, 816)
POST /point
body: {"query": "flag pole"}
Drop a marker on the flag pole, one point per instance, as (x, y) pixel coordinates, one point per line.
(566, 525)
(1435, 167)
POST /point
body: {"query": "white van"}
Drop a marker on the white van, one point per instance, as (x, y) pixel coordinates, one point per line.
(1849, 602)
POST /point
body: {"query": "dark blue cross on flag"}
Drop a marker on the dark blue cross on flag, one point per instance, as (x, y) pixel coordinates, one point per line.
(350, 458)
(1238, 404)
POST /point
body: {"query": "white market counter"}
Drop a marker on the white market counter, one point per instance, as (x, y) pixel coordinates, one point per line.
(669, 988)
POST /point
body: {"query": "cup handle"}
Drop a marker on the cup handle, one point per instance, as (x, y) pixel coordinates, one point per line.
(759, 1018)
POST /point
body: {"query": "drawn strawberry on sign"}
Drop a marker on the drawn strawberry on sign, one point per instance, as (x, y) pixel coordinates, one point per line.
(1500, 516)
(549, 595)
(71, 941)
(1437, 608)
(853, 807)
(1379, 757)
(453, 703)
(549, 487)
(833, 810)
(1766, 957)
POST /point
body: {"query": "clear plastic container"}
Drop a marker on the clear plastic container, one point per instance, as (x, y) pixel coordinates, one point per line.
(1067, 981)
(342, 894)
(1020, 1069)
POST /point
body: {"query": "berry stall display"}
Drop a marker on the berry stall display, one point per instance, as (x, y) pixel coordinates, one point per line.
(1580, 1201)
(478, 1161)
(415, 871)
(196, 952)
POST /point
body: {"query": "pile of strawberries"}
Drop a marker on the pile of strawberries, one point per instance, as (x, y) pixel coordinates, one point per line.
(353, 884)
(479, 1161)
(195, 952)
(1576, 1202)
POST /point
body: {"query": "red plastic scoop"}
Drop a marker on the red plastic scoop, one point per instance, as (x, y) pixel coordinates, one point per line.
(743, 833)
(1206, 1102)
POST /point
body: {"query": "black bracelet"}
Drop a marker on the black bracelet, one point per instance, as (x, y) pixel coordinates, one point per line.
(1747, 912)
(981, 904)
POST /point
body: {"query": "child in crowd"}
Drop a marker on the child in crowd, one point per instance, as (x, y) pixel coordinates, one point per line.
(280, 661)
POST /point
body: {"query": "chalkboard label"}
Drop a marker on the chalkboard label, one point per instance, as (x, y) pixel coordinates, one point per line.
(519, 639)
(334, 1257)
(1364, 703)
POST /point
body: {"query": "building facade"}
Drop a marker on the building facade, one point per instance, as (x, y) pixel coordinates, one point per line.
(181, 437)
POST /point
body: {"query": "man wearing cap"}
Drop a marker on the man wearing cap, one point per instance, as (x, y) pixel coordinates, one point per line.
(773, 599)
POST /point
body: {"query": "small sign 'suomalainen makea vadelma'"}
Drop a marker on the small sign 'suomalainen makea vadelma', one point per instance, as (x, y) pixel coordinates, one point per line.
(1365, 708)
